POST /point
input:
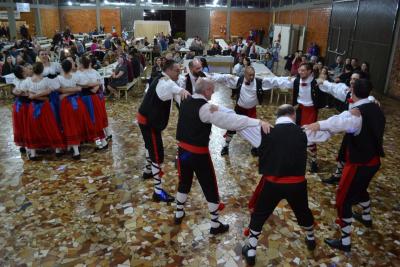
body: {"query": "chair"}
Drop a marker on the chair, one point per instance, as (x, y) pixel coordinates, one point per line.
(285, 93)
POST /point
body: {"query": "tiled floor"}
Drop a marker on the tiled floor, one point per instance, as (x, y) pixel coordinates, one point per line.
(98, 211)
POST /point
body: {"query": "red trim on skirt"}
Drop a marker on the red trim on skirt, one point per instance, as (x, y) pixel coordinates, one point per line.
(103, 111)
(272, 179)
(43, 131)
(94, 130)
(193, 148)
(308, 115)
(249, 112)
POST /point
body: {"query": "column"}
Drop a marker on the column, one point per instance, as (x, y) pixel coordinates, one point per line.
(228, 20)
(98, 22)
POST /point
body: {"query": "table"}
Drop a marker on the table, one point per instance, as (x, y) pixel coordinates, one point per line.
(97, 36)
(7, 47)
(188, 42)
(45, 46)
(106, 71)
(9, 78)
(88, 45)
(45, 41)
(149, 51)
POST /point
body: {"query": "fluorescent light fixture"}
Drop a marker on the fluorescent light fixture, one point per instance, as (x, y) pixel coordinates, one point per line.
(144, 14)
(86, 4)
(69, 3)
(152, 11)
(106, 2)
(215, 2)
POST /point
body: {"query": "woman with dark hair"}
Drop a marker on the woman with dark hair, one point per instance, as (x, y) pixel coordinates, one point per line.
(42, 130)
(204, 65)
(20, 107)
(72, 110)
(364, 73)
(119, 76)
(8, 66)
(92, 96)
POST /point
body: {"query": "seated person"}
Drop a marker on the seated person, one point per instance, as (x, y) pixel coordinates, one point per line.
(119, 76)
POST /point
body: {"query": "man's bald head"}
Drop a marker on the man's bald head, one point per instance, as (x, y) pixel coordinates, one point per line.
(195, 67)
(286, 110)
(249, 74)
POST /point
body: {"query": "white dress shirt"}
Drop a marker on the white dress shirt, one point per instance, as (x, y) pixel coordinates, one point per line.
(337, 90)
(253, 134)
(166, 88)
(344, 122)
(224, 118)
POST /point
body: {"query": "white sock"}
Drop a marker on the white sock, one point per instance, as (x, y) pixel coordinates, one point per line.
(309, 232)
(253, 240)
(366, 213)
(346, 230)
(107, 131)
(180, 202)
(32, 153)
(76, 150)
(156, 169)
(58, 150)
(339, 169)
(103, 142)
(147, 168)
(213, 208)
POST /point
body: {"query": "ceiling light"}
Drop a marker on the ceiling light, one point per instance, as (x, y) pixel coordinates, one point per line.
(152, 11)
(69, 3)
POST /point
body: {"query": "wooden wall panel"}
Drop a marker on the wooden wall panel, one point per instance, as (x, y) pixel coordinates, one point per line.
(109, 18)
(50, 21)
(394, 83)
(217, 19)
(284, 17)
(78, 20)
(243, 22)
(318, 28)
(299, 17)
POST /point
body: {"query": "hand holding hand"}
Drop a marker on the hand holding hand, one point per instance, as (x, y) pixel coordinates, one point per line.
(313, 127)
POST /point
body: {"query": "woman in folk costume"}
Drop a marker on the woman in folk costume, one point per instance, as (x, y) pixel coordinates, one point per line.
(90, 81)
(73, 113)
(20, 108)
(42, 130)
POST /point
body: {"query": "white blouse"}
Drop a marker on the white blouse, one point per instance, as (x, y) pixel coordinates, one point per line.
(87, 76)
(67, 83)
(36, 87)
(53, 69)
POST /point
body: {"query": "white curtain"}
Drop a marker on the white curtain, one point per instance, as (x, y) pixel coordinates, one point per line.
(149, 28)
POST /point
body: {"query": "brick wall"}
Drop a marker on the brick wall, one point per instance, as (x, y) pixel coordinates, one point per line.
(78, 20)
(394, 83)
(243, 22)
(50, 18)
(316, 20)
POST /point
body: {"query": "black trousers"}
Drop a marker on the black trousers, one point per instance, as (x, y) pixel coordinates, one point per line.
(272, 193)
(200, 164)
(354, 190)
(153, 143)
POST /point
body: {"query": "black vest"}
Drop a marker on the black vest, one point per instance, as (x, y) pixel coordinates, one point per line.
(283, 152)
(190, 128)
(318, 97)
(369, 143)
(189, 85)
(258, 88)
(154, 109)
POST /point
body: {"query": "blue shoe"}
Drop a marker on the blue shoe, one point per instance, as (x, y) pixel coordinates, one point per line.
(163, 197)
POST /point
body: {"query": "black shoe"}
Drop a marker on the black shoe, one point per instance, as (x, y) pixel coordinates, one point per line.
(358, 217)
(254, 152)
(163, 197)
(59, 154)
(147, 175)
(36, 158)
(76, 157)
(22, 149)
(179, 220)
(225, 151)
(108, 138)
(249, 260)
(337, 243)
(314, 167)
(222, 228)
(311, 244)
(101, 148)
(334, 180)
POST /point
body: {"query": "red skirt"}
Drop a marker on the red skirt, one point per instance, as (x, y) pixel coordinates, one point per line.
(41, 129)
(19, 117)
(73, 121)
(103, 111)
(249, 112)
(94, 124)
